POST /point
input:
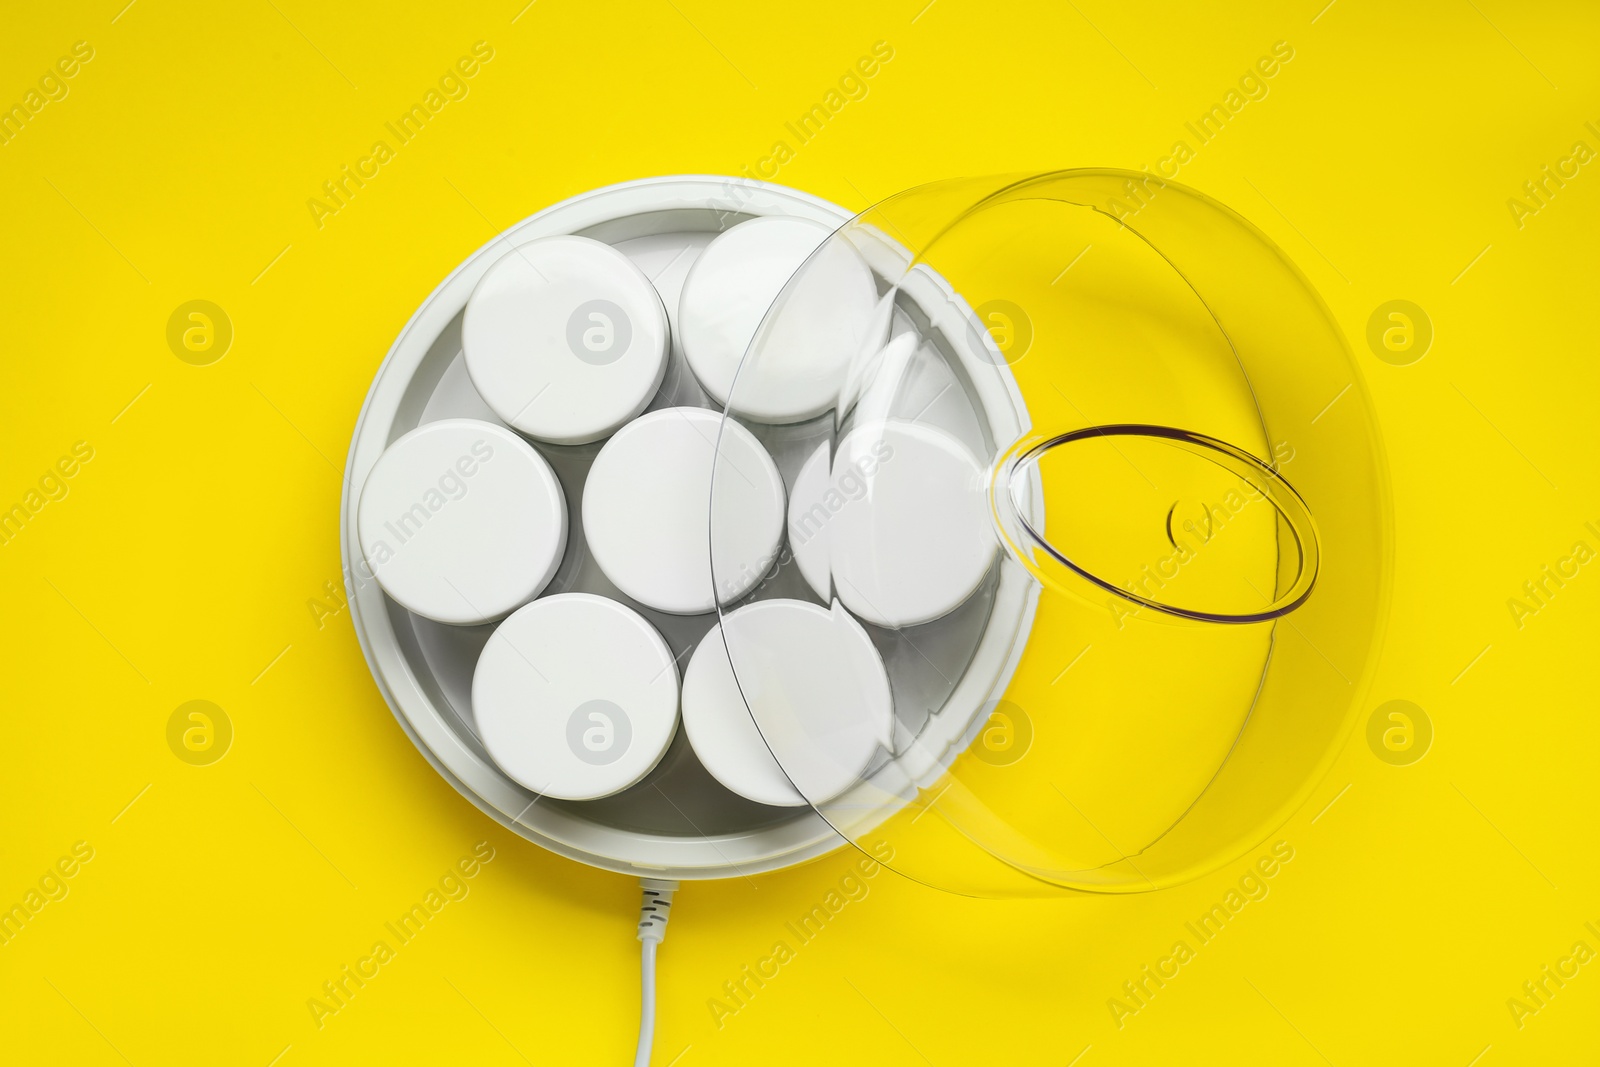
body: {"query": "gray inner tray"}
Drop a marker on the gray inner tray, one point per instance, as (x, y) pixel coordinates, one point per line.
(679, 797)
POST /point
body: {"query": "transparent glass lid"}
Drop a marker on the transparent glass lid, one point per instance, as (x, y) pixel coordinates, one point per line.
(1087, 554)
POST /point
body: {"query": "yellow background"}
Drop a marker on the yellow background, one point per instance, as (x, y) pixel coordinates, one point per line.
(180, 563)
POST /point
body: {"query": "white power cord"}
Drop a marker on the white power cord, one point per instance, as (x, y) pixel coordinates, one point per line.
(653, 915)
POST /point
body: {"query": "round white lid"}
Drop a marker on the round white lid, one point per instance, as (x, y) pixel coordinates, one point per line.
(722, 732)
(826, 320)
(461, 521)
(811, 684)
(647, 510)
(911, 538)
(809, 513)
(566, 339)
(576, 696)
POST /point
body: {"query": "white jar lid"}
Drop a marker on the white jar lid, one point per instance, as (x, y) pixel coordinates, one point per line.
(461, 521)
(810, 510)
(647, 510)
(825, 321)
(565, 339)
(909, 534)
(810, 687)
(576, 696)
(722, 732)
